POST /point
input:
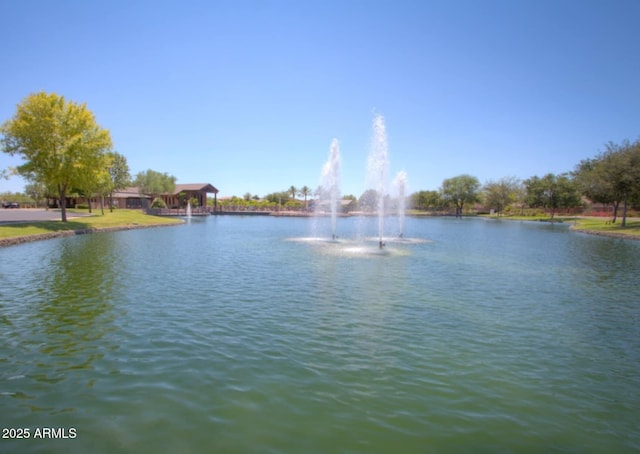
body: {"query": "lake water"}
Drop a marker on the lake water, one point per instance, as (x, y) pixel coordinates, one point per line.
(247, 334)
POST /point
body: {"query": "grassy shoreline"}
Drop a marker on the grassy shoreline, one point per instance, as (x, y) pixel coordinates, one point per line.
(588, 224)
(23, 232)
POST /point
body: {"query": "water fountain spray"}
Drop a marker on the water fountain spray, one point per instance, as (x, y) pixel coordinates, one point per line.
(400, 182)
(330, 183)
(378, 168)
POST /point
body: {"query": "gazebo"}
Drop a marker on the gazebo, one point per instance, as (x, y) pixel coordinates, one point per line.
(186, 192)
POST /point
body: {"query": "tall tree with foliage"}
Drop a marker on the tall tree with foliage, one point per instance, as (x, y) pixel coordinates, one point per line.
(620, 165)
(369, 200)
(593, 181)
(37, 191)
(95, 181)
(460, 190)
(119, 175)
(278, 198)
(155, 183)
(612, 177)
(6, 173)
(501, 193)
(293, 191)
(552, 192)
(59, 140)
(426, 200)
(305, 191)
(630, 184)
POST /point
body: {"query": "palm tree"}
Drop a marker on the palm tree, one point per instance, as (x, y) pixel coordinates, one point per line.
(305, 191)
(293, 191)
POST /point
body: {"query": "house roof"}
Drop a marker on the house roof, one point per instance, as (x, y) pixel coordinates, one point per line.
(200, 187)
(131, 191)
(134, 191)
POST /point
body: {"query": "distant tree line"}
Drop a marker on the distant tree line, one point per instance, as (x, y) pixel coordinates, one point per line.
(612, 178)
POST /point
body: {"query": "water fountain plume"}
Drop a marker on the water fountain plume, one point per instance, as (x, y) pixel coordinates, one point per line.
(330, 184)
(377, 181)
(189, 209)
(400, 183)
(378, 168)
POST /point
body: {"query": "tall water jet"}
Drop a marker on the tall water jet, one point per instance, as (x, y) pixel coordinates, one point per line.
(400, 183)
(189, 209)
(330, 184)
(377, 169)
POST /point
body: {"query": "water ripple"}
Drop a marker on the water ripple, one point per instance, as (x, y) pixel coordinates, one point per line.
(226, 336)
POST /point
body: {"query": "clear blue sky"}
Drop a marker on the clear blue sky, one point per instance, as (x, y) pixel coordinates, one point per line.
(248, 95)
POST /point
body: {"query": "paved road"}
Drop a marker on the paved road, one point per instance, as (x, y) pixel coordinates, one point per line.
(13, 215)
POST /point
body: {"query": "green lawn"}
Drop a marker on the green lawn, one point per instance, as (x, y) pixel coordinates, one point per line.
(600, 225)
(119, 218)
(589, 224)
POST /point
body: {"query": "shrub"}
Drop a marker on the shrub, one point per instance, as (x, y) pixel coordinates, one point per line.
(158, 203)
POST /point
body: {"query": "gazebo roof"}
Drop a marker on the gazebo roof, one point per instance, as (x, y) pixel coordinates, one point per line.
(200, 187)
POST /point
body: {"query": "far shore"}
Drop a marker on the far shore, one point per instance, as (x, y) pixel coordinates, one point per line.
(82, 223)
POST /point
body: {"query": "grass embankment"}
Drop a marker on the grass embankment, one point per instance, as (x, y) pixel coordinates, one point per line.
(593, 225)
(118, 220)
(599, 226)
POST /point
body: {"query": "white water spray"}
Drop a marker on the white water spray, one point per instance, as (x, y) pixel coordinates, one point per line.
(400, 183)
(330, 184)
(378, 168)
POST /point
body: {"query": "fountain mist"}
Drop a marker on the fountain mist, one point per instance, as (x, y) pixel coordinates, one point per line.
(330, 184)
(378, 167)
(400, 182)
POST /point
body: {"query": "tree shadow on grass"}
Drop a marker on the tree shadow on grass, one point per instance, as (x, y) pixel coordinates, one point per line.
(50, 226)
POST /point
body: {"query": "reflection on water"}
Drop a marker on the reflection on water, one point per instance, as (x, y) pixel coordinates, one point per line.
(61, 311)
(252, 334)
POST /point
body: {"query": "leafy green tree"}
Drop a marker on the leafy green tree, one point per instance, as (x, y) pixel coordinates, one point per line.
(613, 177)
(293, 191)
(460, 190)
(536, 192)
(552, 192)
(278, 198)
(155, 183)
(593, 181)
(95, 181)
(426, 200)
(6, 173)
(368, 201)
(500, 194)
(119, 174)
(59, 140)
(37, 191)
